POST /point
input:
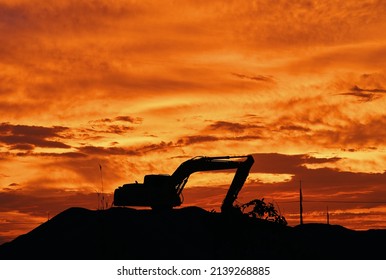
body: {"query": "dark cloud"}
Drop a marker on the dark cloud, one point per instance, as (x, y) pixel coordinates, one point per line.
(278, 163)
(331, 181)
(66, 155)
(294, 127)
(31, 140)
(365, 94)
(25, 147)
(223, 131)
(231, 126)
(322, 183)
(244, 137)
(125, 151)
(128, 119)
(97, 150)
(112, 125)
(27, 130)
(190, 140)
(42, 154)
(197, 139)
(286, 164)
(162, 146)
(103, 120)
(313, 160)
(258, 78)
(25, 137)
(118, 129)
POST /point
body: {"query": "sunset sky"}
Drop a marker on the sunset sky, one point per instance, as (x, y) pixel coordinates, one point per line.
(141, 86)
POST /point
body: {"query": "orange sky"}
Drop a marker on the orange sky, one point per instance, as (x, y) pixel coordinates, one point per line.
(140, 86)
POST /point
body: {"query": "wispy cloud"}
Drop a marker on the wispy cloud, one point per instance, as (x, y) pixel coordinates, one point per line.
(294, 127)
(225, 126)
(365, 94)
(257, 78)
(94, 150)
(189, 140)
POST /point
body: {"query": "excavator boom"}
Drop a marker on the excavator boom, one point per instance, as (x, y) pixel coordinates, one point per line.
(164, 191)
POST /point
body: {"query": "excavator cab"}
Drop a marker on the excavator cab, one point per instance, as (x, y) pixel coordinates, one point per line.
(164, 191)
(156, 191)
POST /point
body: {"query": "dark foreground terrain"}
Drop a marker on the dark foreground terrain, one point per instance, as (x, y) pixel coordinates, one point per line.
(187, 233)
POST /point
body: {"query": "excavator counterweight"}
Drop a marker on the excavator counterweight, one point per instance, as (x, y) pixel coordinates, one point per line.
(164, 191)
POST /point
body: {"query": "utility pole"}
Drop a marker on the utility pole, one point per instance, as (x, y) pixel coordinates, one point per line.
(328, 216)
(301, 203)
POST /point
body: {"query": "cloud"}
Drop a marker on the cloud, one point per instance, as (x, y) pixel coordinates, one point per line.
(198, 139)
(280, 163)
(126, 151)
(294, 127)
(223, 131)
(27, 130)
(365, 94)
(113, 125)
(367, 133)
(132, 61)
(190, 140)
(233, 127)
(24, 137)
(162, 146)
(321, 182)
(35, 141)
(356, 57)
(26, 147)
(57, 155)
(118, 129)
(257, 78)
(97, 150)
(128, 119)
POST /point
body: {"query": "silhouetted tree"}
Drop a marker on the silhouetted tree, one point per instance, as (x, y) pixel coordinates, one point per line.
(262, 210)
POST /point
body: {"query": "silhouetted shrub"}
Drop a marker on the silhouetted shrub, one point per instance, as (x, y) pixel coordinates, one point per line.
(262, 210)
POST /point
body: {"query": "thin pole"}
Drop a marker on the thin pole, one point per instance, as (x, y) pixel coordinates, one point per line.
(328, 216)
(301, 203)
(103, 197)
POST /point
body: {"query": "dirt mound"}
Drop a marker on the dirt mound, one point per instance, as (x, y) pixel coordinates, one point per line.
(186, 233)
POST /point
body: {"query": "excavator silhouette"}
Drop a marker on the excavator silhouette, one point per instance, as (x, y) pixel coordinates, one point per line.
(165, 191)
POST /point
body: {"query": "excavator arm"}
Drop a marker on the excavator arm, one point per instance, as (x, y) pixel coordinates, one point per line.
(164, 191)
(238, 181)
(242, 163)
